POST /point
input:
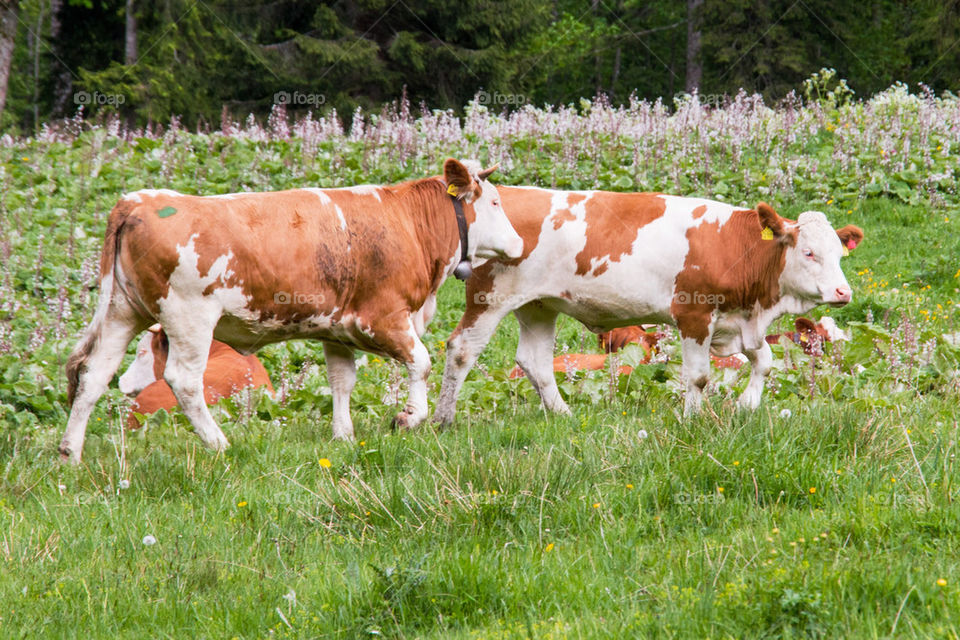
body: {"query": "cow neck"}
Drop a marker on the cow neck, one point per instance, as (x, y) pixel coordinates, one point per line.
(435, 226)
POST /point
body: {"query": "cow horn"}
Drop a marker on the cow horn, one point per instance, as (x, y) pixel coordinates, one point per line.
(483, 175)
(155, 328)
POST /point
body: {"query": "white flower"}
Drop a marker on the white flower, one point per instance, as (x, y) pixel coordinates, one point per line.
(124, 484)
(642, 434)
(149, 540)
(786, 413)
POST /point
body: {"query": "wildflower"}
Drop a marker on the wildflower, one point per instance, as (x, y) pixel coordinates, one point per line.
(624, 413)
(363, 443)
(775, 530)
(149, 540)
(642, 434)
(324, 462)
(893, 479)
(813, 490)
(720, 489)
(830, 201)
(941, 582)
(124, 484)
(596, 505)
(629, 486)
(785, 413)
(736, 463)
(548, 548)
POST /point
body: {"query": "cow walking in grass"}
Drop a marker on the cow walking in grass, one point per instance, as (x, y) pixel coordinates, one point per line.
(357, 268)
(721, 274)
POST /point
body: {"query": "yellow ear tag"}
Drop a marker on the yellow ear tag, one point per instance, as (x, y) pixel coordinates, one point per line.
(452, 190)
(766, 234)
(803, 337)
(846, 252)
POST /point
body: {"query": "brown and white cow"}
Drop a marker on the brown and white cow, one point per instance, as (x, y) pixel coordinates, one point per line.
(720, 273)
(228, 372)
(357, 268)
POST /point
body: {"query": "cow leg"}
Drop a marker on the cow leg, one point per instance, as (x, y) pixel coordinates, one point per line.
(95, 359)
(342, 373)
(463, 349)
(695, 371)
(761, 360)
(189, 349)
(535, 353)
(418, 369)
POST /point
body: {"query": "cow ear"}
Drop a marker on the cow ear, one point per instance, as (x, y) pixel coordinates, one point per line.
(459, 180)
(773, 226)
(483, 175)
(804, 325)
(850, 236)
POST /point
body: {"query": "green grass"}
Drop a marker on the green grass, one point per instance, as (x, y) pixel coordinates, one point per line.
(622, 520)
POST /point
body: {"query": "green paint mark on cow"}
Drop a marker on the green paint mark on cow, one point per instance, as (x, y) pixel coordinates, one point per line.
(166, 212)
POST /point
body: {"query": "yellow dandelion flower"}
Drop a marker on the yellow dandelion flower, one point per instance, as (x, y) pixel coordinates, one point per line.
(813, 489)
(325, 463)
(720, 489)
(548, 548)
(941, 582)
(596, 505)
(736, 463)
(775, 530)
(629, 486)
(242, 504)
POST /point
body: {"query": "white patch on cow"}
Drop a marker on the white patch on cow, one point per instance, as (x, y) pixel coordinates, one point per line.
(365, 190)
(490, 235)
(423, 316)
(137, 196)
(343, 221)
(320, 193)
(187, 285)
(140, 372)
(834, 333)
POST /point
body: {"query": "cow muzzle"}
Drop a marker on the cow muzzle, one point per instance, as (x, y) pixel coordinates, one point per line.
(841, 295)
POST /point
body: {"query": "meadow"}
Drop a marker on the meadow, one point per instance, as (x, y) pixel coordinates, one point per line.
(829, 512)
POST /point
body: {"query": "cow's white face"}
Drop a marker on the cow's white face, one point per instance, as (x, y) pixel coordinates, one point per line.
(140, 372)
(812, 271)
(491, 235)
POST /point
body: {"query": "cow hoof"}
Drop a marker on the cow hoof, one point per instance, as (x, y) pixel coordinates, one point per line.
(67, 456)
(403, 421)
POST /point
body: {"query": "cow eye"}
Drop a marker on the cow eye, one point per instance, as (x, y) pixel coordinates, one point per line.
(807, 253)
(496, 203)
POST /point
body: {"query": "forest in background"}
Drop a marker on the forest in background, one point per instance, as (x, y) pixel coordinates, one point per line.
(195, 59)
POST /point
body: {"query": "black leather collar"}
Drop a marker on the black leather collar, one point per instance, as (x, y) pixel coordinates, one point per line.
(463, 270)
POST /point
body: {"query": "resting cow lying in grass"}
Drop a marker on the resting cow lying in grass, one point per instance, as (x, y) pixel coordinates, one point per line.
(228, 372)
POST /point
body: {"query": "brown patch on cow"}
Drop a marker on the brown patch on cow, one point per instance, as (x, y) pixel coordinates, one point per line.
(613, 223)
(728, 266)
(566, 295)
(699, 211)
(566, 214)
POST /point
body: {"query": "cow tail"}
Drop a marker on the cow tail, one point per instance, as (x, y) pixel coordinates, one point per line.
(91, 337)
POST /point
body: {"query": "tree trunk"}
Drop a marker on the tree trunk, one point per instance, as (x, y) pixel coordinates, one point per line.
(694, 63)
(130, 36)
(8, 34)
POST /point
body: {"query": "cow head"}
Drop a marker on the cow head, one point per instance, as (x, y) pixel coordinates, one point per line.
(490, 233)
(142, 371)
(812, 270)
